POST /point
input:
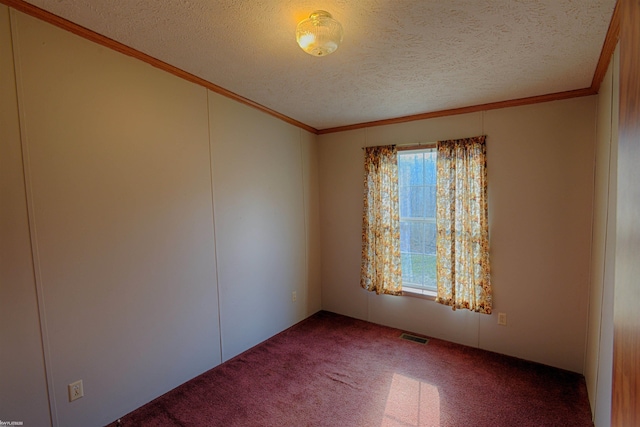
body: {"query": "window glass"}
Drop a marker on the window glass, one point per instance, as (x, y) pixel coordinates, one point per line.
(417, 197)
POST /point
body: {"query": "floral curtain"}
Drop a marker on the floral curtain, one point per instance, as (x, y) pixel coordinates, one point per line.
(381, 267)
(463, 232)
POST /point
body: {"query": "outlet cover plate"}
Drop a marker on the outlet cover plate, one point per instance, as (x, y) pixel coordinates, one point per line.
(75, 390)
(502, 319)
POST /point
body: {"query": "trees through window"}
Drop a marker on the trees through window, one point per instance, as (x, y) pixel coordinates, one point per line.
(417, 200)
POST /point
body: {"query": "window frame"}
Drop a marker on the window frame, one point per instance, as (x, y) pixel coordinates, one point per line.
(409, 290)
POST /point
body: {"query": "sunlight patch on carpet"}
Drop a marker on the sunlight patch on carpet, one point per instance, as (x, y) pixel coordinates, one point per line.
(411, 403)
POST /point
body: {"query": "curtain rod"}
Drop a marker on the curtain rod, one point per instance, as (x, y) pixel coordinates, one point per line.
(412, 146)
(403, 147)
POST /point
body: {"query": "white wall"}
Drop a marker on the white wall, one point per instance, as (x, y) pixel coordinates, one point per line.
(120, 197)
(313, 289)
(169, 226)
(599, 354)
(540, 173)
(23, 387)
(260, 223)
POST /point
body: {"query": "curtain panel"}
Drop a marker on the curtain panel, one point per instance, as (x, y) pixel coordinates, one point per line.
(463, 273)
(380, 270)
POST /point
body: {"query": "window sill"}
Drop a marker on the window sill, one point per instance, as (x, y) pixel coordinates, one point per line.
(418, 293)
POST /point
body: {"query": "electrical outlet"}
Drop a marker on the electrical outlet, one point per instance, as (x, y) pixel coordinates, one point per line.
(502, 319)
(75, 390)
(294, 296)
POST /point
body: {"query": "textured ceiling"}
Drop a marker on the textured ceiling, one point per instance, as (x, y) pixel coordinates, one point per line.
(398, 57)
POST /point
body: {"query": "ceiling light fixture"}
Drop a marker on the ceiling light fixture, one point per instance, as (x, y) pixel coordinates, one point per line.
(320, 34)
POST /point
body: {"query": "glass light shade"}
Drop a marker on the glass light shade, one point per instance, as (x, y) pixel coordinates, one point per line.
(320, 34)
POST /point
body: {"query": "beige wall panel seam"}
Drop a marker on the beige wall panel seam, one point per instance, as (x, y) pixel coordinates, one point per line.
(24, 142)
(591, 241)
(591, 278)
(606, 237)
(213, 220)
(604, 257)
(305, 222)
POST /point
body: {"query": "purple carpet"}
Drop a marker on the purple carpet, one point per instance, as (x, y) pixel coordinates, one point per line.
(332, 370)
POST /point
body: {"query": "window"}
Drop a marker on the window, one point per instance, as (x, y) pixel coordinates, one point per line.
(417, 201)
(404, 246)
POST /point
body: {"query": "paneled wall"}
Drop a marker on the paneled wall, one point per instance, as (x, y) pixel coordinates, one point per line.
(540, 174)
(599, 353)
(169, 227)
(121, 218)
(23, 390)
(260, 231)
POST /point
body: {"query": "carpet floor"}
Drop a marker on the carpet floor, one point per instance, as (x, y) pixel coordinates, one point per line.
(332, 370)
